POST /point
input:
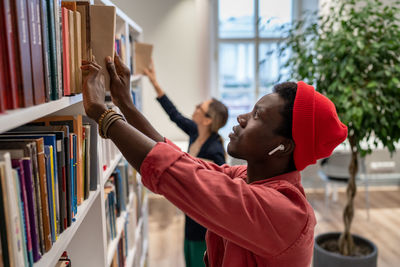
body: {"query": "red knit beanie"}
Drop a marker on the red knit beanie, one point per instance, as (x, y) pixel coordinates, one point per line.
(317, 129)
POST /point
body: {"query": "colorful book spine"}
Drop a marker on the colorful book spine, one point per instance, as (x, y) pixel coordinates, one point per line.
(50, 193)
(53, 189)
(36, 52)
(18, 164)
(16, 174)
(45, 48)
(30, 187)
(23, 53)
(53, 50)
(66, 67)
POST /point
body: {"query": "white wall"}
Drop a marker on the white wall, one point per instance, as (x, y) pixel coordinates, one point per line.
(175, 28)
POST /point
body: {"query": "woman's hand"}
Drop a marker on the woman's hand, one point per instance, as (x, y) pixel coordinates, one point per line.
(93, 90)
(151, 74)
(120, 76)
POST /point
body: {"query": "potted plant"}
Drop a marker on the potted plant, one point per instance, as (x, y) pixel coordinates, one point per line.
(352, 55)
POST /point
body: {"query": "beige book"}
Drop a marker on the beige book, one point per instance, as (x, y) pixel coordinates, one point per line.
(83, 8)
(78, 52)
(142, 57)
(71, 28)
(102, 31)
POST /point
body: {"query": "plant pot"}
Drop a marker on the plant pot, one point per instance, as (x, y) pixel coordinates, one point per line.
(324, 258)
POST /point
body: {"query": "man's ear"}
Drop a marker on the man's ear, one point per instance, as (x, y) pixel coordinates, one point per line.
(289, 147)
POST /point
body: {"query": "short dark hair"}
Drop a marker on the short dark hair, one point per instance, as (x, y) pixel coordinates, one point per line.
(287, 91)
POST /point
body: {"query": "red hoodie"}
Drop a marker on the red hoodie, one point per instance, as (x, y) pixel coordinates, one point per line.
(265, 223)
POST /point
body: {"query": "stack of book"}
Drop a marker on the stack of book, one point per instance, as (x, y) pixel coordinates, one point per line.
(46, 172)
(42, 44)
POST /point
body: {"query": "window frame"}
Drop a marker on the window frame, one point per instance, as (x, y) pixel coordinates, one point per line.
(256, 40)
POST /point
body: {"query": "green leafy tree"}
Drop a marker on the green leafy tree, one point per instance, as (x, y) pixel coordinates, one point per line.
(352, 55)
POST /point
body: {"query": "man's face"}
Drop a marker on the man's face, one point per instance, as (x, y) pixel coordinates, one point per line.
(255, 135)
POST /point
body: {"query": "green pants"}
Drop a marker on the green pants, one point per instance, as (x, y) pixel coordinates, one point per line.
(194, 253)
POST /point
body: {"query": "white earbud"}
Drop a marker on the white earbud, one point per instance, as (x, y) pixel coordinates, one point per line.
(280, 147)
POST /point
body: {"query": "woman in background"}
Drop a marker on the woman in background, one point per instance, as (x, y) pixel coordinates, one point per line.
(204, 142)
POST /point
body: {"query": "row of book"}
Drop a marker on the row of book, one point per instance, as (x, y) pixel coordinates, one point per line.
(120, 200)
(42, 44)
(47, 173)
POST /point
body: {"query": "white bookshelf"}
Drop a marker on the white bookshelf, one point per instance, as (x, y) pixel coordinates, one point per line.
(86, 239)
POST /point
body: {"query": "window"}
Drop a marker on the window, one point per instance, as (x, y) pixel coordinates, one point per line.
(248, 30)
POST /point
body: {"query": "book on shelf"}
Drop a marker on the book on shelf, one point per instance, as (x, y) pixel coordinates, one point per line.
(11, 209)
(34, 23)
(102, 30)
(22, 57)
(142, 57)
(66, 51)
(42, 46)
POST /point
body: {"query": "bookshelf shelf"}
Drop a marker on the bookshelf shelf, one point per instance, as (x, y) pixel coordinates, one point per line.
(51, 258)
(112, 247)
(14, 118)
(107, 173)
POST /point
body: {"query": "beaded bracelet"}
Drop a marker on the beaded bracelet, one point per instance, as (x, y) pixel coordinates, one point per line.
(100, 122)
(109, 121)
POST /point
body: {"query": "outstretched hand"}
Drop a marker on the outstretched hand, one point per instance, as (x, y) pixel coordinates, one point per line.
(151, 73)
(119, 82)
(93, 90)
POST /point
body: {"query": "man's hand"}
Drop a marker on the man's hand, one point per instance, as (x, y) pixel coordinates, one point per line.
(93, 90)
(119, 82)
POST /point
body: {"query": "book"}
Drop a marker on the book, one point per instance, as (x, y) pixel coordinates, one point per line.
(102, 31)
(63, 163)
(13, 209)
(72, 64)
(11, 93)
(5, 227)
(23, 54)
(34, 24)
(58, 36)
(45, 48)
(52, 211)
(49, 139)
(78, 52)
(51, 22)
(17, 164)
(28, 148)
(66, 49)
(93, 160)
(83, 7)
(142, 57)
(59, 133)
(75, 126)
(16, 173)
(3, 70)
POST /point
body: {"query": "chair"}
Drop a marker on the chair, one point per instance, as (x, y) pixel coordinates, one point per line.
(334, 171)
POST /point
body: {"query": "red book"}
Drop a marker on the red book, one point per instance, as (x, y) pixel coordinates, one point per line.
(11, 93)
(65, 39)
(3, 84)
(22, 52)
(34, 24)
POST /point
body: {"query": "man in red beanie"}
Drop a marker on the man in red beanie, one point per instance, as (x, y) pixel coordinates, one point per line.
(256, 215)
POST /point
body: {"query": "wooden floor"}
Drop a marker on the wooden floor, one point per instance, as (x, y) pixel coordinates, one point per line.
(166, 225)
(382, 228)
